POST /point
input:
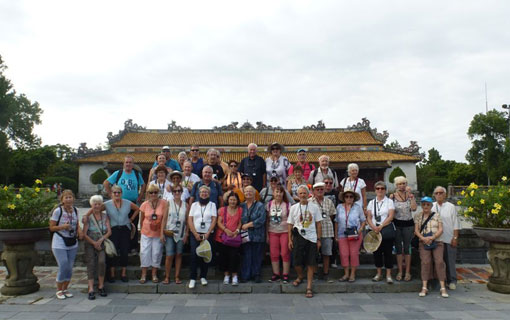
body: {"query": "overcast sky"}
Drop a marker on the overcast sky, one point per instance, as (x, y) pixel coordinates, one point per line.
(415, 69)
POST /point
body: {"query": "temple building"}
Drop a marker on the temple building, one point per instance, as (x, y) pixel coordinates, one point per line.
(358, 143)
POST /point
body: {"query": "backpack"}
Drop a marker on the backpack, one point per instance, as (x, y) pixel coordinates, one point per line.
(137, 174)
(197, 186)
(316, 171)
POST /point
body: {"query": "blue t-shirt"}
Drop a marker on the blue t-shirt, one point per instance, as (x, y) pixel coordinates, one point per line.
(216, 191)
(197, 167)
(171, 163)
(356, 217)
(129, 182)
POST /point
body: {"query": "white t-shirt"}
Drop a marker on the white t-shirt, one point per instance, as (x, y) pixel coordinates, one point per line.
(170, 196)
(203, 214)
(176, 219)
(358, 184)
(382, 207)
(162, 187)
(57, 241)
(279, 167)
(304, 218)
(449, 218)
(188, 182)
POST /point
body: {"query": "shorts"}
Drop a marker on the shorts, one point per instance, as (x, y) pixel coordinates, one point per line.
(304, 251)
(172, 248)
(327, 246)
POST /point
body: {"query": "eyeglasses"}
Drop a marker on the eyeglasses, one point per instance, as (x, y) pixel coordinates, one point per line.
(153, 192)
(194, 150)
(116, 192)
(439, 192)
(348, 197)
(328, 182)
(177, 191)
(319, 189)
(380, 188)
(233, 165)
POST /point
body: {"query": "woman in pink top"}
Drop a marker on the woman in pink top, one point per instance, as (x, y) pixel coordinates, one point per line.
(278, 236)
(229, 222)
(151, 226)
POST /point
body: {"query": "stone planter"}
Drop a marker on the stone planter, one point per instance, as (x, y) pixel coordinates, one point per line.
(499, 257)
(19, 258)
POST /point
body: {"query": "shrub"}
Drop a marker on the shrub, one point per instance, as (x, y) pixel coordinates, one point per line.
(67, 183)
(397, 172)
(98, 177)
(434, 182)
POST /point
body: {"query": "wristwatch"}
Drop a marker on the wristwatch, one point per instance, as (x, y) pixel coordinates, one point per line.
(455, 238)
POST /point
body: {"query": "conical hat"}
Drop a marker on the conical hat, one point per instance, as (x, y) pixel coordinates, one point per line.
(204, 251)
(372, 241)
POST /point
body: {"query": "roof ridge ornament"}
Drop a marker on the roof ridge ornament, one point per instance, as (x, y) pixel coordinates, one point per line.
(129, 125)
(365, 125)
(413, 149)
(319, 126)
(172, 126)
(233, 126)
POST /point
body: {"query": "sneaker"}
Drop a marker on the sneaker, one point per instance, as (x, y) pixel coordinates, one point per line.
(389, 280)
(274, 278)
(285, 278)
(235, 281)
(452, 286)
(377, 278)
(226, 280)
(60, 295)
(192, 284)
(67, 294)
(203, 281)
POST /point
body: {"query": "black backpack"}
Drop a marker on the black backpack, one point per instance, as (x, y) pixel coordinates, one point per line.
(137, 174)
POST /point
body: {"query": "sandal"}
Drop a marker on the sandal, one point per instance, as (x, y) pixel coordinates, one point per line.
(60, 295)
(423, 292)
(274, 278)
(399, 276)
(297, 282)
(343, 279)
(166, 281)
(377, 278)
(155, 279)
(407, 277)
(309, 293)
(67, 294)
(352, 279)
(178, 281)
(444, 294)
(285, 278)
(142, 280)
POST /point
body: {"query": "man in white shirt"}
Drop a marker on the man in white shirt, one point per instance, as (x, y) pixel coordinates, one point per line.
(450, 236)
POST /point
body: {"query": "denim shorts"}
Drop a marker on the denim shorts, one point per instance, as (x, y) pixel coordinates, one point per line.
(172, 248)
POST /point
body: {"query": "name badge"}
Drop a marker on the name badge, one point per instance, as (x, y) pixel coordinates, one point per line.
(303, 232)
(154, 217)
(202, 225)
(378, 219)
(324, 215)
(178, 224)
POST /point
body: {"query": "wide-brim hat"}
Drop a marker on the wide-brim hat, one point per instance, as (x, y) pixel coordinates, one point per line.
(275, 144)
(204, 251)
(372, 241)
(175, 173)
(347, 190)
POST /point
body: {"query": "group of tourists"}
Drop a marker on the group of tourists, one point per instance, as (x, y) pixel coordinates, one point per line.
(228, 212)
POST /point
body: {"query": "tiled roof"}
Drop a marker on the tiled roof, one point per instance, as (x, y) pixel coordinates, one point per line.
(243, 138)
(355, 156)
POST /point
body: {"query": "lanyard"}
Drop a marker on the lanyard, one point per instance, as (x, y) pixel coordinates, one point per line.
(301, 212)
(202, 210)
(355, 185)
(230, 176)
(347, 214)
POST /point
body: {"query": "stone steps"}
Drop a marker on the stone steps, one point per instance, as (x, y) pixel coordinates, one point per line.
(217, 287)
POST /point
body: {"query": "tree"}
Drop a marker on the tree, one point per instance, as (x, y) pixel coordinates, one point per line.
(397, 172)
(489, 152)
(18, 115)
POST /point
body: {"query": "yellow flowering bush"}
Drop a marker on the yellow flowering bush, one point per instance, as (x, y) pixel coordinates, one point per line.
(490, 208)
(27, 207)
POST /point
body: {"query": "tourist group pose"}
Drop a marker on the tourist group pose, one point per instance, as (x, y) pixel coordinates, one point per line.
(229, 212)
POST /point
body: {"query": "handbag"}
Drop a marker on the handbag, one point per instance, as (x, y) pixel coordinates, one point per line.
(109, 246)
(415, 241)
(350, 233)
(68, 241)
(245, 236)
(388, 232)
(432, 245)
(234, 242)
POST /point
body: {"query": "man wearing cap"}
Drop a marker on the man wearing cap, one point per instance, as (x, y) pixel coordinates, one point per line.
(327, 209)
(255, 166)
(196, 161)
(246, 180)
(450, 236)
(170, 163)
(307, 167)
(323, 171)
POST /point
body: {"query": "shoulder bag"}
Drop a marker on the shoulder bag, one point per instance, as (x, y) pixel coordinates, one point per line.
(415, 242)
(234, 242)
(388, 232)
(109, 247)
(68, 241)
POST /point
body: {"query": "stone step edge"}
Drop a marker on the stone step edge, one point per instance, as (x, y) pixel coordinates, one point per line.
(217, 287)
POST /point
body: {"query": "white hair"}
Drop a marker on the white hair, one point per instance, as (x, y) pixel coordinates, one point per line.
(324, 157)
(182, 153)
(212, 150)
(252, 145)
(399, 180)
(303, 187)
(352, 166)
(95, 199)
(440, 188)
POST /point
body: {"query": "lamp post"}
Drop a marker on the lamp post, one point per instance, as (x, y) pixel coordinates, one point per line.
(507, 107)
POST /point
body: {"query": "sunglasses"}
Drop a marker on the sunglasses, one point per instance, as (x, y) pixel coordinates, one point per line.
(153, 192)
(194, 150)
(117, 192)
(440, 192)
(328, 182)
(177, 191)
(349, 197)
(380, 188)
(233, 165)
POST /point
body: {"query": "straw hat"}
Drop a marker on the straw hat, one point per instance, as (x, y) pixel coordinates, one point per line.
(349, 190)
(372, 241)
(204, 251)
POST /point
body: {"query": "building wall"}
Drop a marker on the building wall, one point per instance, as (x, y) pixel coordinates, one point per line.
(409, 169)
(85, 187)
